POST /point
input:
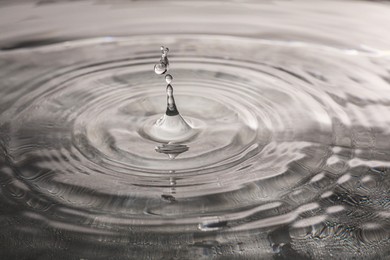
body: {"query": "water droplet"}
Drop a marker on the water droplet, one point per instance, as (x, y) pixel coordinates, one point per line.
(171, 126)
(163, 66)
(168, 78)
(160, 68)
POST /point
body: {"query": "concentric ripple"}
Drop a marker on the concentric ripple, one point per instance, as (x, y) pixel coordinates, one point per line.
(289, 156)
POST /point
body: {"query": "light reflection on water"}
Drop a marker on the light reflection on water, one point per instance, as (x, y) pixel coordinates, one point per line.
(290, 99)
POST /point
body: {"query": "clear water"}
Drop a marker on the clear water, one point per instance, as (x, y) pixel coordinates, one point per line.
(289, 103)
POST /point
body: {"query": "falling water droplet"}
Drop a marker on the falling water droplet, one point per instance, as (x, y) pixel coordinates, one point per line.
(168, 78)
(163, 66)
(160, 68)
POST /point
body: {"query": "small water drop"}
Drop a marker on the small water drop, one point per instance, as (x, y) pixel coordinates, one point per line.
(163, 66)
(160, 68)
(168, 78)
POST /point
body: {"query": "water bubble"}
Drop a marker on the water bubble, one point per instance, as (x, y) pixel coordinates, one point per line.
(168, 78)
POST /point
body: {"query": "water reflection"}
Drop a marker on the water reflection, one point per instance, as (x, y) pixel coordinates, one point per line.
(172, 149)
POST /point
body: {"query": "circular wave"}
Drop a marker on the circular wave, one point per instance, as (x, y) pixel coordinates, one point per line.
(287, 134)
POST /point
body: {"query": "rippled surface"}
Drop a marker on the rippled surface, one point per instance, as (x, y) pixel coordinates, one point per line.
(290, 101)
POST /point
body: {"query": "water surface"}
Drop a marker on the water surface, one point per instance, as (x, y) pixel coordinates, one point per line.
(290, 101)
